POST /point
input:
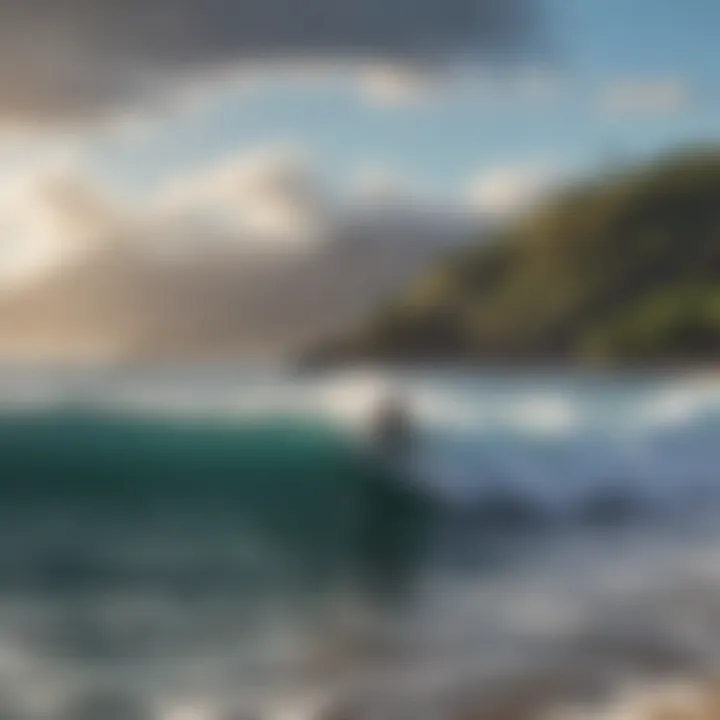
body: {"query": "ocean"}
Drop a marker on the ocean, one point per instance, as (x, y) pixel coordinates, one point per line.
(215, 544)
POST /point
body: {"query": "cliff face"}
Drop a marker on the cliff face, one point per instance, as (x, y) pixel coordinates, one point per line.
(624, 269)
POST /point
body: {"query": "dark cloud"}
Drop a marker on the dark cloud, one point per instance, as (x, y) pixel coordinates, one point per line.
(68, 57)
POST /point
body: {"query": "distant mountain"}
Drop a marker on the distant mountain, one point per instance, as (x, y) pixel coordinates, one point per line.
(622, 269)
(122, 302)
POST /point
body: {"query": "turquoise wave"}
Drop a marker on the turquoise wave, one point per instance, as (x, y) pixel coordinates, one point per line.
(307, 498)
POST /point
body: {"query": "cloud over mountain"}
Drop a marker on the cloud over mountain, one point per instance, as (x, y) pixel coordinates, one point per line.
(252, 256)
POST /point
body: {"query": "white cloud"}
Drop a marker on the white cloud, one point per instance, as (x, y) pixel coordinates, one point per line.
(270, 197)
(501, 191)
(53, 213)
(396, 86)
(630, 96)
(187, 272)
(50, 211)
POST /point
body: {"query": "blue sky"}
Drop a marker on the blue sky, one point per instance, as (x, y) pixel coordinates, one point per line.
(443, 140)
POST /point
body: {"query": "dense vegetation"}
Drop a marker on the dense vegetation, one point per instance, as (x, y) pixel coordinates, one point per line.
(623, 269)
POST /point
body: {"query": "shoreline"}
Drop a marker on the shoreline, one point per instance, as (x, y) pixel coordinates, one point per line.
(711, 368)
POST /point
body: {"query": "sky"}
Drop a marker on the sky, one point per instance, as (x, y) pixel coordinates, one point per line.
(202, 127)
(622, 77)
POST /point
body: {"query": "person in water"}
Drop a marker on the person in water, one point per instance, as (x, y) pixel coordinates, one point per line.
(397, 514)
(392, 427)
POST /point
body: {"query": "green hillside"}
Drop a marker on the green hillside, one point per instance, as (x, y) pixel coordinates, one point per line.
(622, 269)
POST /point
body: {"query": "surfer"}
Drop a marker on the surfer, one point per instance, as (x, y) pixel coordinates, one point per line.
(392, 428)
